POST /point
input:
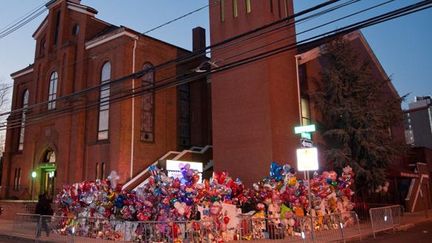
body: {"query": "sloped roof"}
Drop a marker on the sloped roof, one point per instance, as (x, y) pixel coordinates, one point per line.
(312, 50)
(24, 71)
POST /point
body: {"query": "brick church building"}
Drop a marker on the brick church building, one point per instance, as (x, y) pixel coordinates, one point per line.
(269, 95)
(75, 117)
(78, 113)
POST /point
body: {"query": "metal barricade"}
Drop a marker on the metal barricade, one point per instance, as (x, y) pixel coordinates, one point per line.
(26, 225)
(385, 218)
(330, 227)
(261, 229)
(101, 229)
(183, 231)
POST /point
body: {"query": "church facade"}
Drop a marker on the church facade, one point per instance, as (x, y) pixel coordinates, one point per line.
(96, 99)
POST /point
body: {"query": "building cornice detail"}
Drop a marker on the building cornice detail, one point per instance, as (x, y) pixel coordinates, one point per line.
(21, 73)
(108, 37)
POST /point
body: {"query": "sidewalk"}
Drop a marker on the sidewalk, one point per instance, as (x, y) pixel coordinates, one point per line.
(25, 231)
(408, 220)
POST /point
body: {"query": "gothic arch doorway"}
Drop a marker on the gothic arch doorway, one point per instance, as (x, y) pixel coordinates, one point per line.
(47, 167)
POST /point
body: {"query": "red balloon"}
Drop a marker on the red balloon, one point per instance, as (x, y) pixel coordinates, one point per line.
(142, 217)
(175, 230)
(196, 226)
(176, 183)
(226, 219)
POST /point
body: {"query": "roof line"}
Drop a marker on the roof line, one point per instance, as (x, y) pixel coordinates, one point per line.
(22, 72)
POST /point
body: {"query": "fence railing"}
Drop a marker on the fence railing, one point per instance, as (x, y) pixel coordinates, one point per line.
(385, 218)
(331, 227)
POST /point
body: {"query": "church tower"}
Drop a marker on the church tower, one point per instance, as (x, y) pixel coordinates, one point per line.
(255, 96)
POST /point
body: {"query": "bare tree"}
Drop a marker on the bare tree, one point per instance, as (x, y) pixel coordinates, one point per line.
(5, 91)
(4, 95)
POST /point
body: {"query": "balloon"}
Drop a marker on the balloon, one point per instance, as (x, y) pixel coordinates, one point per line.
(226, 220)
(180, 207)
(286, 168)
(119, 202)
(165, 199)
(276, 171)
(332, 175)
(284, 211)
(325, 174)
(176, 183)
(215, 208)
(219, 177)
(292, 181)
(291, 222)
(113, 178)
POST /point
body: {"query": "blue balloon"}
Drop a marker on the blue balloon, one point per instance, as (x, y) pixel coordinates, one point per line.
(118, 202)
(276, 171)
(152, 168)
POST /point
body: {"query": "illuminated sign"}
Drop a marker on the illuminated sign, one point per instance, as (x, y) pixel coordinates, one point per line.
(307, 159)
(304, 129)
(173, 168)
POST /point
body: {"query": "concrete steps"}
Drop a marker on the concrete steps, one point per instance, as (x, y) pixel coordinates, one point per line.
(202, 154)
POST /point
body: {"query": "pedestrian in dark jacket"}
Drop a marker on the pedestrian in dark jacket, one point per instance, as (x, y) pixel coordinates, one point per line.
(43, 208)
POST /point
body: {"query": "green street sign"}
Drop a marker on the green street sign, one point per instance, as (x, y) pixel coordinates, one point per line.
(304, 129)
(306, 135)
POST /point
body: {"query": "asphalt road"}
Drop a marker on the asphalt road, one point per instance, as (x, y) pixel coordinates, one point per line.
(8, 239)
(419, 233)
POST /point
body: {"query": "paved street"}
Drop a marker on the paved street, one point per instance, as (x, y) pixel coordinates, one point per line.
(419, 233)
(9, 239)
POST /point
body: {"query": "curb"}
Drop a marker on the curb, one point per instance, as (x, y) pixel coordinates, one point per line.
(405, 227)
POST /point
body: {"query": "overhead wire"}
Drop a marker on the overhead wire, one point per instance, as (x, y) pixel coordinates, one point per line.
(318, 26)
(362, 24)
(177, 61)
(21, 18)
(178, 18)
(19, 23)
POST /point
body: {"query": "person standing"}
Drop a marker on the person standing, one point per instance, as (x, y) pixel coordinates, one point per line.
(43, 208)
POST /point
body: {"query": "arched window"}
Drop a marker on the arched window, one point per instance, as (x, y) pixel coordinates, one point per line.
(104, 97)
(248, 6)
(42, 47)
(25, 101)
(49, 156)
(148, 104)
(52, 92)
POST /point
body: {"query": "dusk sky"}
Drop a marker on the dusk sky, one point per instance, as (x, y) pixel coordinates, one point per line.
(401, 45)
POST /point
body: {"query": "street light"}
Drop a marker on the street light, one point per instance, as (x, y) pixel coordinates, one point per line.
(33, 175)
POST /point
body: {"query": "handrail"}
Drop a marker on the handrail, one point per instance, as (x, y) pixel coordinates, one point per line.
(178, 156)
(203, 150)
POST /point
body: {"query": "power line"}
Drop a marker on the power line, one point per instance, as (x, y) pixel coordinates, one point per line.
(178, 18)
(20, 22)
(180, 60)
(282, 25)
(319, 26)
(20, 19)
(331, 34)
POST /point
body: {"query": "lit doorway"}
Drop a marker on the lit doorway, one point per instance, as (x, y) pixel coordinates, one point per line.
(48, 173)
